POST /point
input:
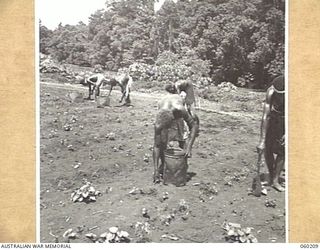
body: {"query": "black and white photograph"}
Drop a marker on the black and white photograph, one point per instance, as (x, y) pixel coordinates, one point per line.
(162, 121)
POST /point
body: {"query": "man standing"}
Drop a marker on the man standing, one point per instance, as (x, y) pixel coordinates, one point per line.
(272, 134)
(171, 111)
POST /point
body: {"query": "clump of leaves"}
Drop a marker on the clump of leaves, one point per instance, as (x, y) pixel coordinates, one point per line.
(235, 233)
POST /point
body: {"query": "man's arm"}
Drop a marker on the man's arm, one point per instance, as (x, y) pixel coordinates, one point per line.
(111, 87)
(89, 79)
(128, 87)
(178, 86)
(265, 119)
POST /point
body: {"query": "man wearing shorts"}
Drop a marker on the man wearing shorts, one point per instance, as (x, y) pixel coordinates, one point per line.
(272, 134)
(171, 113)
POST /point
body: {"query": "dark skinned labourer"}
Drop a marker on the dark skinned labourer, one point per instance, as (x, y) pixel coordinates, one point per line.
(272, 132)
(171, 113)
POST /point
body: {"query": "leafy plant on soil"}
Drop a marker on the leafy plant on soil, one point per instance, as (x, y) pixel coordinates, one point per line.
(234, 233)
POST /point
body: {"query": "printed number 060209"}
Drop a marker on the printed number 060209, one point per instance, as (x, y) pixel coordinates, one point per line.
(309, 245)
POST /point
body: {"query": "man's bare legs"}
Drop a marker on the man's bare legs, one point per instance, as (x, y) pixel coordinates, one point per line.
(278, 166)
(269, 158)
(97, 91)
(160, 144)
(275, 167)
(90, 92)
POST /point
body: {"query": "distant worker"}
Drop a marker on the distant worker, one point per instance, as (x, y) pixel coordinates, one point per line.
(125, 82)
(94, 83)
(172, 112)
(272, 137)
(183, 86)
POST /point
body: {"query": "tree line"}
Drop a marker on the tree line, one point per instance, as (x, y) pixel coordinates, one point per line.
(237, 41)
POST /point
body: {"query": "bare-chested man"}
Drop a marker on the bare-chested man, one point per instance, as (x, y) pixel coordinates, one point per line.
(183, 86)
(94, 83)
(272, 137)
(125, 82)
(171, 112)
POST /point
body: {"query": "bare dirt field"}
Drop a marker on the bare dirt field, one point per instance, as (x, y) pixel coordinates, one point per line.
(111, 148)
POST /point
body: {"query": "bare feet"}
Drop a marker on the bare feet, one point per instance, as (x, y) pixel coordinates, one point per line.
(157, 178)
(278, 187)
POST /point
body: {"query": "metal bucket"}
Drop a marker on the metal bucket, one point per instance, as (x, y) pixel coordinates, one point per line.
(175, 168)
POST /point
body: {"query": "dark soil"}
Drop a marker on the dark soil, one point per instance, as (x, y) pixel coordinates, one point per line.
(220, 171)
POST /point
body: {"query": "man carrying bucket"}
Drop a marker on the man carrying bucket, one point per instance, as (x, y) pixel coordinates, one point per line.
(172, 112)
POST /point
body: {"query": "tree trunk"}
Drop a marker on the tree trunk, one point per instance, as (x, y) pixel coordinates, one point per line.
(170, 35)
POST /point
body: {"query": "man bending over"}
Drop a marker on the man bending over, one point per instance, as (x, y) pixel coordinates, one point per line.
(124, 81)
(171, 112)
(94, 83)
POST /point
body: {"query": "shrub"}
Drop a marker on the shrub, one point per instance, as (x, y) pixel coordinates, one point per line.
(171, 67)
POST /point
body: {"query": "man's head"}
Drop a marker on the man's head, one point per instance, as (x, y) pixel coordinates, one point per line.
(278, 84)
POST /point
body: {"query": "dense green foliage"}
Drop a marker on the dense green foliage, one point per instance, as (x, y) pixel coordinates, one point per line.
(240, 41)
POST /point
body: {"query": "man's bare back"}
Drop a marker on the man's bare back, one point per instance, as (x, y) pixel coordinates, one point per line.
(171, 110)
(171, 102)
